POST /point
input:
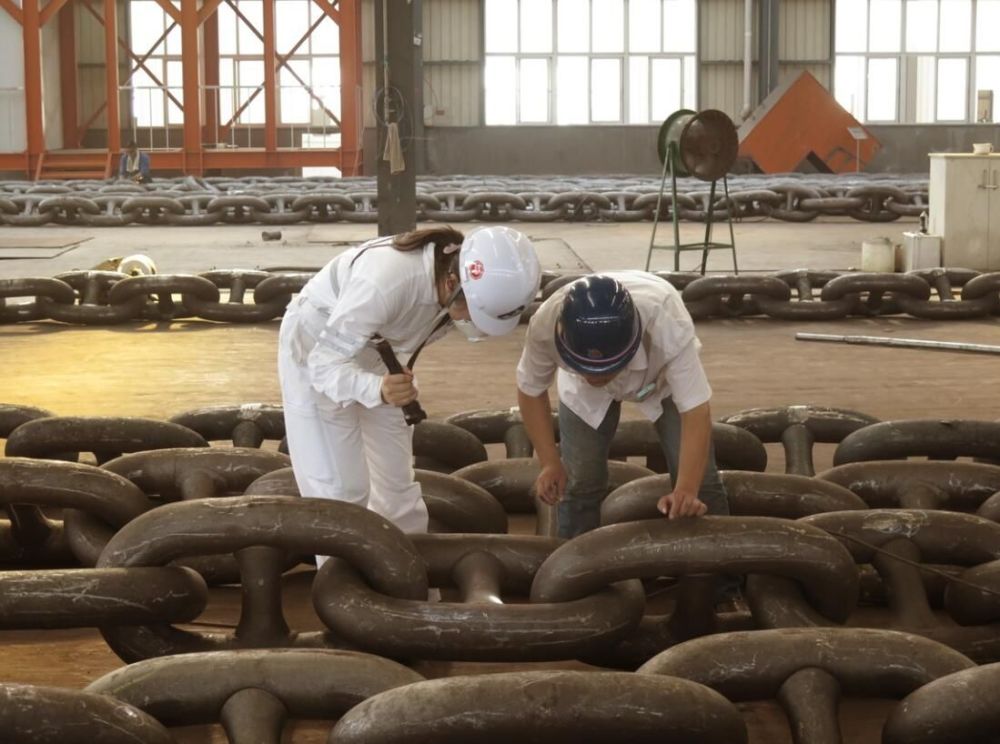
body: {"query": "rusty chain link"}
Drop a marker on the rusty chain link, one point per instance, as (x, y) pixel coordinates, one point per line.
(284, 201)
(256, 296)
(636, 591)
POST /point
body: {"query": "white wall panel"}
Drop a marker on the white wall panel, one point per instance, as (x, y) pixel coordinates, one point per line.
(804, 29)
(13, 137)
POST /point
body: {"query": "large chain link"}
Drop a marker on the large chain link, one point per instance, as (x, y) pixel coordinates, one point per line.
(255, 296)
(284, 201)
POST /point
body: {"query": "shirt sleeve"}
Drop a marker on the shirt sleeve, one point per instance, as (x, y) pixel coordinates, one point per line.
(361, 311)
(686, 377)
(536, 370)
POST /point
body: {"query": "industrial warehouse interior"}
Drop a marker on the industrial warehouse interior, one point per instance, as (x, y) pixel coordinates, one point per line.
(491, 371)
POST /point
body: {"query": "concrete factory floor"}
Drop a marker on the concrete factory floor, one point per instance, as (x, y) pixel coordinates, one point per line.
(160, 370)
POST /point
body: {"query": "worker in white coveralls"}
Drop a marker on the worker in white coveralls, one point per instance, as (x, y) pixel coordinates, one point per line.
(346, 431)
(620, 336)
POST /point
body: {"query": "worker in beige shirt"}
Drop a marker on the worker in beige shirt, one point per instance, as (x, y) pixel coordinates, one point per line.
(620, 336)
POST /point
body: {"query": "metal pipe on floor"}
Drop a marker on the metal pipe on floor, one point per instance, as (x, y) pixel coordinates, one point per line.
(916, 343)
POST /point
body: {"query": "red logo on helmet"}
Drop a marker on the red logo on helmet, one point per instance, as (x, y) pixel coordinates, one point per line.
(476, 269)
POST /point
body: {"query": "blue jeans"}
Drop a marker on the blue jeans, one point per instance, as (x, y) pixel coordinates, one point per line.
(584, 453)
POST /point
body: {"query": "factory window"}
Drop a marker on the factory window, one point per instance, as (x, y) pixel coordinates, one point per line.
(918, 61)
(155, 88)
(589, 61)
(308, 80)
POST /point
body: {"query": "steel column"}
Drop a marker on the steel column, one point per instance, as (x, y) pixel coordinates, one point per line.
(33, 81)
(270, 83)
(111, 76)
(394, 47)
(67, 75)
(210, 46)
(192, 89)
(350, 87)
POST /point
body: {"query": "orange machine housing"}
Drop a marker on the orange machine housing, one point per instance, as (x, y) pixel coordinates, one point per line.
(802, 121)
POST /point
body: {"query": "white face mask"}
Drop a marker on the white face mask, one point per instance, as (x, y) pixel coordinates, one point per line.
(468, 329)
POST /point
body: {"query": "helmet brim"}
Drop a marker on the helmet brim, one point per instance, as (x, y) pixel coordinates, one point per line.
(492, 326)
(577, 364)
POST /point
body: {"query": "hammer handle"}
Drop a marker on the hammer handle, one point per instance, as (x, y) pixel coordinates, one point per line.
(412, 412)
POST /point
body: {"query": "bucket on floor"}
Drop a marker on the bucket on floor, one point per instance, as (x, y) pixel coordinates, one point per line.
(878, 255)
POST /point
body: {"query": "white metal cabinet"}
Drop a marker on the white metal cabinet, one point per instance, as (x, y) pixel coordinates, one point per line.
(965, 209)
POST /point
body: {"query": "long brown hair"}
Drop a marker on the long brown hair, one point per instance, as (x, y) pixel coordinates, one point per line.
(441, 237)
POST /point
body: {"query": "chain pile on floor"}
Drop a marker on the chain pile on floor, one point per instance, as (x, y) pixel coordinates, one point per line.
(286, 200)
(252, 296)
(879, 577)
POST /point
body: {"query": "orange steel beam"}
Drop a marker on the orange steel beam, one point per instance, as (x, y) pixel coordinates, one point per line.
(169, 9)
(332, 12)
(50, 10)
(208, 9)
(246, 158)
(12, 10)
(67, 76)
(111, 75)
(210, 47)
(350, 83)
(33, 81)
(192, 90)
(270, 87)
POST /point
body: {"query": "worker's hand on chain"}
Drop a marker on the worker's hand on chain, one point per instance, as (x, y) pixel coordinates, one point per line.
(681, 504)
(551, 482)
(398, 390)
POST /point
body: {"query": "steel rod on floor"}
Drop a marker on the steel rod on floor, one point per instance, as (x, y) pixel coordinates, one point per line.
(902, 342)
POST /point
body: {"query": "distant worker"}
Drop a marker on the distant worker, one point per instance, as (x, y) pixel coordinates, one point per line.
(134, 165)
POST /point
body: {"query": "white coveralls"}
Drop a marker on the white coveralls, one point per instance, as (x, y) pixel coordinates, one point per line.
(345, 443)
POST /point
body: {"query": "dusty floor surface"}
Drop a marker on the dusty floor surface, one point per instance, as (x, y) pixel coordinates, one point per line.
(160, 370)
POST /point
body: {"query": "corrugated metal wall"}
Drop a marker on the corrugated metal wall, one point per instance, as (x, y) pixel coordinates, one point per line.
(90, 60)
(452, 33)
(803, 44)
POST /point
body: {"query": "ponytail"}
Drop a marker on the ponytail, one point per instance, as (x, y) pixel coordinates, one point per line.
(441, 237)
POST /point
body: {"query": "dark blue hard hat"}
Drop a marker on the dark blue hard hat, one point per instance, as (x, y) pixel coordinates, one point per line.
(599, 330)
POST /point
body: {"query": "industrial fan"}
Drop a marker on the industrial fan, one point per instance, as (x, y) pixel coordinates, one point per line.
(703, 145)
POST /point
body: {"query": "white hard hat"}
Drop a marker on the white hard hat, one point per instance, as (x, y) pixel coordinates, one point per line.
(137, 264)
(500, 274)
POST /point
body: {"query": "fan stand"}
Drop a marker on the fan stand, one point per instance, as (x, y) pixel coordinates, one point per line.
(673, 156)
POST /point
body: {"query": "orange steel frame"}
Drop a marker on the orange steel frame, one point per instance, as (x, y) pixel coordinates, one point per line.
(200, 62)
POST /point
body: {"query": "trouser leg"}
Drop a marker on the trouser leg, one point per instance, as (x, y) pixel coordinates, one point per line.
(389, 449)
(584, 452)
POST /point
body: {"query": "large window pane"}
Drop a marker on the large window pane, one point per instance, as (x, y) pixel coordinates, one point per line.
(883, 89)
(988, 26)
(956, 26)
(606, 90)
(608, 25)
(146, 26)
(925, 108)
(175, 79)
(574, 25)
(644, 25)
(290, 24)
(227, 29)
(638, 90)
(690, 83)
(534, 91)
(251, 74)
(988, 79)
(253, 11)
(326, 38)
(852, 26)
(680, 33)
(572, 83)
(952, 89)
(849, 84)
(536, 26)
(501, 26)
(666, 88)
(921, 25)
(501, 90)
(886, 18)
(293, 99)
